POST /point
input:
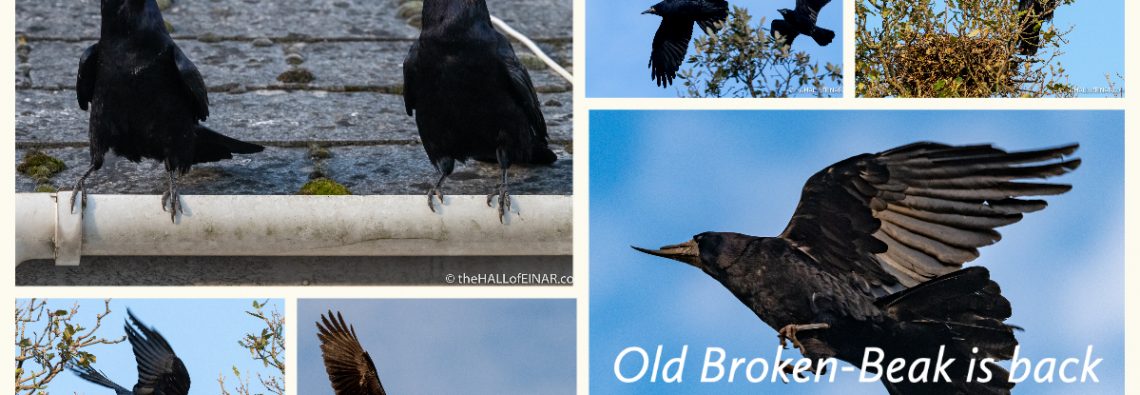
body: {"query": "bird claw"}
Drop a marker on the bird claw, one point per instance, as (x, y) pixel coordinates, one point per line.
(81, 190)
(504, 201)
(436, 192)
(788, 332)
(175, 204)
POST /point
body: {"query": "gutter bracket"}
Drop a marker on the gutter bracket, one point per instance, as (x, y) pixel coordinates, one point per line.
(68, 232)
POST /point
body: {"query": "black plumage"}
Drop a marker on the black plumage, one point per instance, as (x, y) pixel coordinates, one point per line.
(350, 369)
(873, 257)
(160, 370)
(802, 21)
(471, 96)
(146, 98)
(672, 38)
(1033, 13)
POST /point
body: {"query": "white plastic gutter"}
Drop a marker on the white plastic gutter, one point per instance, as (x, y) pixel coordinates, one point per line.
(135, 225)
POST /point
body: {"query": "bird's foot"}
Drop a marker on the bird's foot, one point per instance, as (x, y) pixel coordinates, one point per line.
(79, 189)
(437, 193)
(171, 198)
(504, 201)
(789, 333)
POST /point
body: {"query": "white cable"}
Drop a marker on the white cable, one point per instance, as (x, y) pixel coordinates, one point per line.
(533, 48)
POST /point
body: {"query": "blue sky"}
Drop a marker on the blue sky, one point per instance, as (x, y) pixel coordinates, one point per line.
(658, 178)
(444, 346)
(1096, 42)
(203, 332)
(619, 40)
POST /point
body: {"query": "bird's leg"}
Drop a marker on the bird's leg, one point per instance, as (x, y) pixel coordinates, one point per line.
(504, 196)
(789, 332)
(445, 166)
(171, 195)
(81, 189)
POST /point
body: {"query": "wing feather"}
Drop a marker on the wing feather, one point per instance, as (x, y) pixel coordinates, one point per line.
(349, 367)
(903, 216)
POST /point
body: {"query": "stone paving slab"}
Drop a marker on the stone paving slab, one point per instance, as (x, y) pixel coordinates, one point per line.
(54, 117)
(55, 64)
(365, 170)
(405, 170)
(77, 19)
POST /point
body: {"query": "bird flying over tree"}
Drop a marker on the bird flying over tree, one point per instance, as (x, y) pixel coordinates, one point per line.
(160, 370)
(1033, 14)
(676, 30)
(471, 96)
(873, 256)
(146, 99)
(350, 369)
(802, 21)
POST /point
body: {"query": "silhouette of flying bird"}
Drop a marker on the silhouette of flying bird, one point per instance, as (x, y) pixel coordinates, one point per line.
(160, 371)
(146, 99)
(672, 38)
(471, 96)
(1033, 13)
(873, 256)
(802, 21)
(350, 369)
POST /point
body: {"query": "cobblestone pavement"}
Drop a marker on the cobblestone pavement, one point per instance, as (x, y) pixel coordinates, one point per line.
(347, 124)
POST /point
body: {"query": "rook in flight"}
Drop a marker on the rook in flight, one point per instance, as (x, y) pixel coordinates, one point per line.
(160, 371)
(350, 369)
(146, 99)
(471, 96)
(873, 256)
(802, 21)
(672, 38)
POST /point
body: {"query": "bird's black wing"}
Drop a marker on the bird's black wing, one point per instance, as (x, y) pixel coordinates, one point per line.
(90, 374)
(192, 80)
(901, 217)
(350, 369)
(669, 46)
(85, 80)
(522, 88)
(808, 10)
(160, 371)
(410, 77)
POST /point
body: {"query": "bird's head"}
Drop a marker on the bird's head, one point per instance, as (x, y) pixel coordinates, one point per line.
(709, 251)
(786, 13)
(119, 15)
(656, 9)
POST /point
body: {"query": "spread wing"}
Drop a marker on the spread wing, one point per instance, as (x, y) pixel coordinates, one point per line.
(522, 89)
(85, 80)
(669, 46)
(901, 217)
(410, 77)
(192, 80)
(350, 369)
(808, 10)
(160, 371)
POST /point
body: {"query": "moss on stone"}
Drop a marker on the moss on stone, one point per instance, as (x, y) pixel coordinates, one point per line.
(323, 186)
(299, 75)
(39, 165)
(46, 188)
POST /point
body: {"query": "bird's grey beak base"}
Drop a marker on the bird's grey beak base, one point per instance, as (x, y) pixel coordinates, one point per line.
(649, 11)
(686, 252)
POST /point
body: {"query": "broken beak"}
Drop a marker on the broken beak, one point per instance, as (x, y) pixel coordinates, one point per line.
(651, 10)
(686, 252)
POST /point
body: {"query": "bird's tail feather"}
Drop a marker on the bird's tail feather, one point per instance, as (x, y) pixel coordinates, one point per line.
(97, 377)
(822, 36)
(211, 146)
(961, 311)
